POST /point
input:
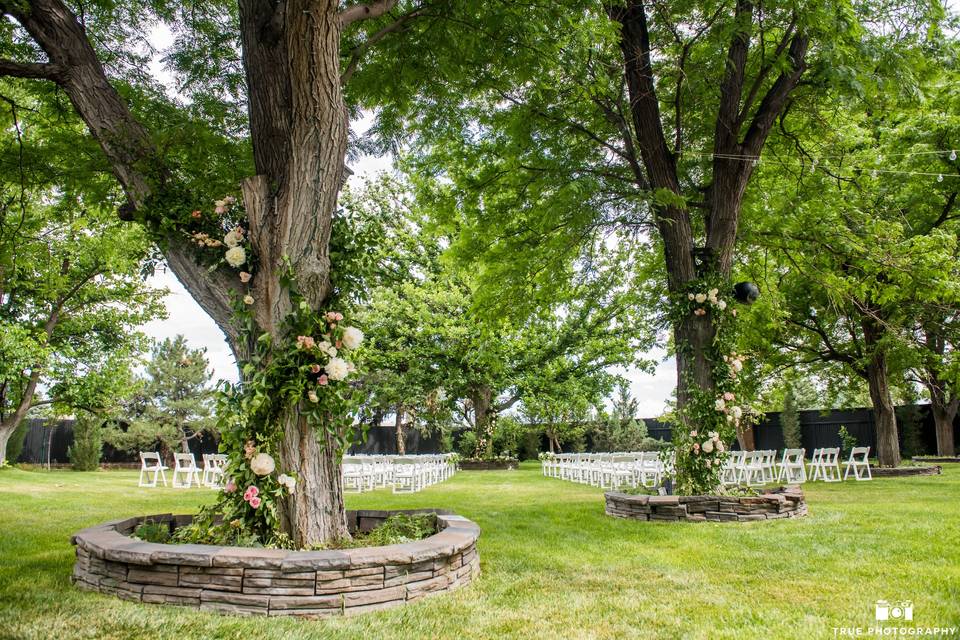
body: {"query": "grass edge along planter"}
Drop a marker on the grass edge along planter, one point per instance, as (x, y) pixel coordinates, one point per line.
(276, 582)
(783, 502)
(905, 472)
(487, 465)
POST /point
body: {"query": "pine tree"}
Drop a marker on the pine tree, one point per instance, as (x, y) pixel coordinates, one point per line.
(790, 420)
(174, 404)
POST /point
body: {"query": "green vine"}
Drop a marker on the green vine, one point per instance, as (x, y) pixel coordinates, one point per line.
(710, 418)
(304, 372)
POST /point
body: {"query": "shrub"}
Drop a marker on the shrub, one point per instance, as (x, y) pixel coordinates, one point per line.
(847, 441)
(467, 444)
(85, 451)
(15, 443)
(790, 420)
(151, 531)
(910, 420)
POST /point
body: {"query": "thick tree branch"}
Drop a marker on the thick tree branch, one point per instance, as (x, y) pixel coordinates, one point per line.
(357, 53)
(38, 70)
(365, 11)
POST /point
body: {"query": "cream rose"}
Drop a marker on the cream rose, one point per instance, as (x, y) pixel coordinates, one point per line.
(287, 481)
(707, 446)
(337, 369)
(235, 256)
(352, 337)
(233, 238)
(262, 464)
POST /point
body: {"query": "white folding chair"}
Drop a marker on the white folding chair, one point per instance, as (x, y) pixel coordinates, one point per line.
(829, 464)
(213, 466)
(751, 470)
(859, 463)
(407, 475)
(791, 468)
(184, 464)
(731, 468)
(150, 462)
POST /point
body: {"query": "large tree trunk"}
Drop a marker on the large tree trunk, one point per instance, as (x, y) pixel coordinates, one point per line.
(943, 403)
(944, 413)
(315, 511)
(483, 418)
(401, 436)
(298, 123)
(885, 417)
(5, 435)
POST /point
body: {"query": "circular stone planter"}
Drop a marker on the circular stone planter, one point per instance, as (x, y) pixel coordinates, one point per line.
(905, 472)
(784, 502)
(247, 580)
(487, 465)
(936, 459)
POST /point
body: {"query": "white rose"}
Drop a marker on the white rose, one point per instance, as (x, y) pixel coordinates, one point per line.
(707, 447)
(713, 293)
(235, 256)
(737, 412)
(700, 298)
(722, 304)
(352, 337)
(327, 348)
(721, 405)
(233, 238)
(337, 369)
(262, 464)
(691, 296)
(737, 365)
(287, 481)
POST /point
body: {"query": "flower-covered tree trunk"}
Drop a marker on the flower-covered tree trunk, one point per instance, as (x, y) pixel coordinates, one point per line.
(299, 128)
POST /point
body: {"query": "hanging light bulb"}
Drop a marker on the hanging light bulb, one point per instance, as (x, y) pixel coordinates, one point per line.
(940, 178)
(953, 154)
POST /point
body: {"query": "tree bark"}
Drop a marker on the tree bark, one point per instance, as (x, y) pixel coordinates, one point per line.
(315, 512)
(5, 435)
(888, 444)
(401, 436)
(483, 417)
(943, 403)
(944, 413)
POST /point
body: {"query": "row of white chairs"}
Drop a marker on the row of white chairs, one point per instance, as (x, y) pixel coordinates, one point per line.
(405, 474)
(609, 470)
(753, 468)
(185, 470)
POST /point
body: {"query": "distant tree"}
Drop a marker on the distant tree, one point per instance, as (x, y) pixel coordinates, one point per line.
(790, 420)
(174, 402)
(87, 445)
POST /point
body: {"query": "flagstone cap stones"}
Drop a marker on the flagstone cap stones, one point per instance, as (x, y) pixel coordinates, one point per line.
(783, 502)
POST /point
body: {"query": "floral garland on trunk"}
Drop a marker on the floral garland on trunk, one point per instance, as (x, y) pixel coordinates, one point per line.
(305, 371)
(711, 418)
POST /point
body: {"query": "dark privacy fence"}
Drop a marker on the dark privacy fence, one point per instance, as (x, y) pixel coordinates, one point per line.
(822, 428)
(818, 428)
(48, 441)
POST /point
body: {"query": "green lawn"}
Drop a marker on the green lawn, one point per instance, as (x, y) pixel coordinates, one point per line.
(553, 565)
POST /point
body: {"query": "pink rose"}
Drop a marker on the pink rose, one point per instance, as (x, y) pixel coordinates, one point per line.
(314, 368)
(323, 380)
(696, 447)
(331, 316)
(729, 396)
(254, 502)
(195, 214)
(245, 277)
(339, 344)
(220, 210)
(251, 493)
(230, 487)
(306, 342)
(339, 316)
